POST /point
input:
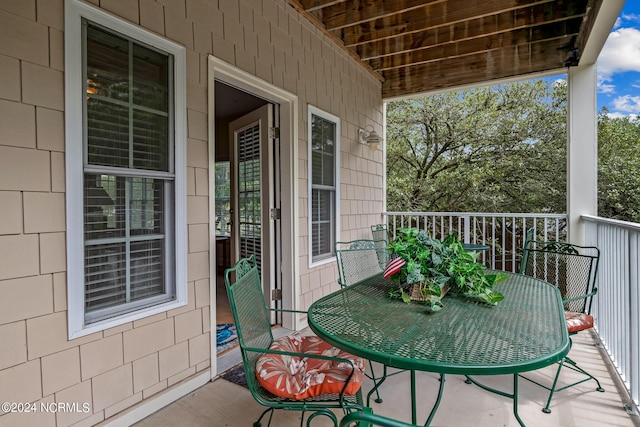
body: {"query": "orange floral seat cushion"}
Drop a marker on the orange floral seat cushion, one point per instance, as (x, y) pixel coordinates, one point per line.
(301, 378)
(577, 322)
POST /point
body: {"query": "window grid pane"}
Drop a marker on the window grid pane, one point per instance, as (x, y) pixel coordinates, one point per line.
(107, 64)
(150, 141)
(107, 133)
(147, 269)
(105, 276)
(150, 79)
(223, 198)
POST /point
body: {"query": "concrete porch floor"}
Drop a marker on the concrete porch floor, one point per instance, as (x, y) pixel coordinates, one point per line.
(221, 403)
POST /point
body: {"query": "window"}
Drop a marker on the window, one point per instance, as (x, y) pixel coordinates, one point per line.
(223, 199)
(125, 171)
(324, 151)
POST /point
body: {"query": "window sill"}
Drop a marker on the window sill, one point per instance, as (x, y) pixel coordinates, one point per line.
(125, 318)
(323, 261)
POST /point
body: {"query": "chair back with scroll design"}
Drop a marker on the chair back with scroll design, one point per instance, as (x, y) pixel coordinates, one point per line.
(573, 269)
(360, 259)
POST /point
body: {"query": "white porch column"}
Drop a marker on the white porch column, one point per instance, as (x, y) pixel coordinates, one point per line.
(582, 149)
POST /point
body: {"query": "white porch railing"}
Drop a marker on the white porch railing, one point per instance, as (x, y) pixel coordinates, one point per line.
(617, 303)
(504, 233)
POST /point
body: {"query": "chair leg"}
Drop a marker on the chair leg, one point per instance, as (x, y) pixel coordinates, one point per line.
(546, 408)
(570, 364)
(258, 423)
(378, 399)
(577, 368)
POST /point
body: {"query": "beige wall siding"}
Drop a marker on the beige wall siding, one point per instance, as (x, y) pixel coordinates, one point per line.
(120, 367)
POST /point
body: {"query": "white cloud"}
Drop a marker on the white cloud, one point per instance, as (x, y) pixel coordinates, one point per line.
(633, 17)
(620, 53)
(617, 115)
(604, 87)
(627, 104)
(560, 82)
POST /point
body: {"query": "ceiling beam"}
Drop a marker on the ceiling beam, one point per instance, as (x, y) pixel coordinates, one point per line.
(477, 27)
(313, 5)
(482, 67)
(357, 12)
(435, 15)
(469, 46)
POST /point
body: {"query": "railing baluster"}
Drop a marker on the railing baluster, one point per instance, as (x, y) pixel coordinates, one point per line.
(634, 300)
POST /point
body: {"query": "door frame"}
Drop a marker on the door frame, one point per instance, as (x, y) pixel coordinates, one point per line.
(288, 105)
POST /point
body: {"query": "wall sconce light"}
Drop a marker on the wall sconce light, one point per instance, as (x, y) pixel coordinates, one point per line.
(369, 137)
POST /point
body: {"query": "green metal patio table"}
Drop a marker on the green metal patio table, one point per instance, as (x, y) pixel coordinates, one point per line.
(524, 332)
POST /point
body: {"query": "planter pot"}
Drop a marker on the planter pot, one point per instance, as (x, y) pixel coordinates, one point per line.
(415, 295)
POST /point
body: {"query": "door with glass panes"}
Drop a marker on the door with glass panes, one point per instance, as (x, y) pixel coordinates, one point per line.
(252, 160)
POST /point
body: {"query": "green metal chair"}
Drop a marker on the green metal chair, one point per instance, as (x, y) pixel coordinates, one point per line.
(358, 260)
(380, 235)
(380, 232)
(529, 237)
(251, 316)
(573, 269)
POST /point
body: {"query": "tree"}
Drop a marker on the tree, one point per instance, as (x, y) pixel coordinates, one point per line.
(498, 149)
(618, 167)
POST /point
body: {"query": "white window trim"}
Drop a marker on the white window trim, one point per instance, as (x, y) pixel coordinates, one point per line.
(75, 10)
(327, 116)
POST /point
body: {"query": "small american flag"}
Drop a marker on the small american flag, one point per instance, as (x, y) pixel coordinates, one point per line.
(393, 266)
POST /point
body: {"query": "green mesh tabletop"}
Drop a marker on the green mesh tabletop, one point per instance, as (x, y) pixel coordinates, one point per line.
(525, 331)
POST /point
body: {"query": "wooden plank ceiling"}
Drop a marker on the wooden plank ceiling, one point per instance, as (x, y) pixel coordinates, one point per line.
(416, 46)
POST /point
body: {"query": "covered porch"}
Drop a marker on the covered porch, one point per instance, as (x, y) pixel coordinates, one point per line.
(610, 352)
(344, 57)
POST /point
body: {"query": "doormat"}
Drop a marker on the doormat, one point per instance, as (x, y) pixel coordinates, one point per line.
(226, 336)
(236, 375)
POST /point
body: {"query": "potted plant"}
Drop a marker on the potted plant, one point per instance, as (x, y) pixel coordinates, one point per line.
(432, 267)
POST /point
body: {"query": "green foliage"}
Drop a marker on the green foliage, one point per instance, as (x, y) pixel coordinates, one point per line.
(498, 149)
(618, 167)
(434, 264)
(503, 149)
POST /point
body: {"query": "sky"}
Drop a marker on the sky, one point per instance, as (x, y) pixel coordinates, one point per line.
(619, 65)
